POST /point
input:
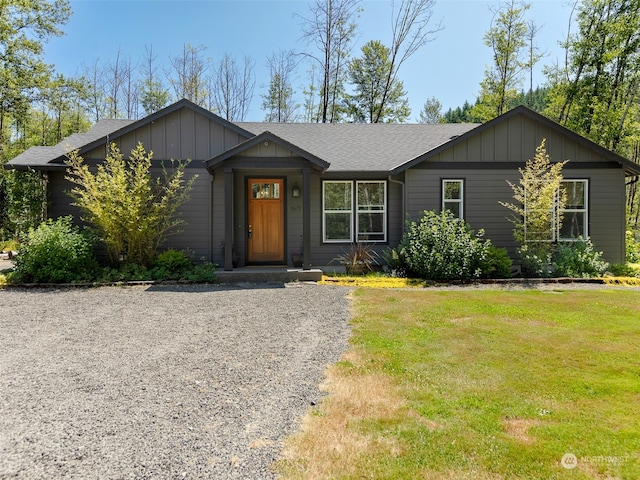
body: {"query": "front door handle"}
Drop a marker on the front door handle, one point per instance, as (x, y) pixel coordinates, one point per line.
(250, 232)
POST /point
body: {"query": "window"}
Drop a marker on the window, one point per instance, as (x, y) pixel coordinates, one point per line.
(337, 209)
(453, 196)
(574, 216)
(349, 207)
(575, 212)
(371, 211)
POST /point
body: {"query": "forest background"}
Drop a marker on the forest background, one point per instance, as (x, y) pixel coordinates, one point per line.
(343, 67)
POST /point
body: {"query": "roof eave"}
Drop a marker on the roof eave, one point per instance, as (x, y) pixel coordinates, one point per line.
(317, 162)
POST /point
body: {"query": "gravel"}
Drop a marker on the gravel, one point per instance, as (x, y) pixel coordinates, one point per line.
(161, 381)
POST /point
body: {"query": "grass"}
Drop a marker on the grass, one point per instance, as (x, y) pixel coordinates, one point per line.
(482, 385)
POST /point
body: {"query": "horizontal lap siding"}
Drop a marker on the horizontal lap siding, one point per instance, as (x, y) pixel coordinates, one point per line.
(484, 188)
(195, 233)
(482, 191)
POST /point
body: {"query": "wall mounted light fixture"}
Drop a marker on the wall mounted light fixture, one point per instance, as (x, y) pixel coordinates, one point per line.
(295, 191)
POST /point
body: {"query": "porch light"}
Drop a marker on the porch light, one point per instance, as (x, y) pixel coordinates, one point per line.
(295, 191)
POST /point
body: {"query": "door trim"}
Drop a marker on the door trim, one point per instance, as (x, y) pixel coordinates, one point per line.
(279, 258)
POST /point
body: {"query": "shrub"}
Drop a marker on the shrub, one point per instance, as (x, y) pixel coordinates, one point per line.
(171, 265)
(497, 263)
(55, 252)
(579, 259)
(396, 260)
(131, 210)
(442, 247)
(633, 246)
(624, 270)
(536, 262)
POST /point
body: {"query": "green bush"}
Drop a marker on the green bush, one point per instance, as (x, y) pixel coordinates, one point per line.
(442, 247)
(55, 252)
(579, 259)
(633, 246)
(171, 265)
(536, 262)
(497, 263)
(624, 270)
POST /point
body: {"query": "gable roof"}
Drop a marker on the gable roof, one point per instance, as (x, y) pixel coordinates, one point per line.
(355, 147)
(105, 131)
(343, 147)
(45, 157)
(269, 137)
(630, 168)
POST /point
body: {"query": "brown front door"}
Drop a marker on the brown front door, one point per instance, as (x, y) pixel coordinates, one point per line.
(265, 227)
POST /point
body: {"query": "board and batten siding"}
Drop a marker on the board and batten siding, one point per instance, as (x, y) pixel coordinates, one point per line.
(483, 161)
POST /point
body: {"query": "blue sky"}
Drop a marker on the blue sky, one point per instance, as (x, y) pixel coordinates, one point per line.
(449, 68)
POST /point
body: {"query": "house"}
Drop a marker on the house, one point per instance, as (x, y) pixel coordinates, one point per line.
(274, 189)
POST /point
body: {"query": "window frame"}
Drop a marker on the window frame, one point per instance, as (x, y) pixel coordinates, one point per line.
(584, 210)
(355, 212)
(325, 212)
(459, 201)
(382, 212)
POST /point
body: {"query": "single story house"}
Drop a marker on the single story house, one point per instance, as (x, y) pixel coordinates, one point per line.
(274, 189)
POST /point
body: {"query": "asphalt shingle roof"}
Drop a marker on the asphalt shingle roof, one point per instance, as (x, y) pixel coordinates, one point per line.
(43, 156)
(363, 147)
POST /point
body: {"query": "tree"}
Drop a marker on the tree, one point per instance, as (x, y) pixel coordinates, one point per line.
(374, 101)
(131, 211)
(189, 75)
(331, 28)
(410, 32)
(596, 93)
(508, 38)
(24, 28)
(153, 94)
(278, 102)
(232, 88)
(431, 111)
(538, 209)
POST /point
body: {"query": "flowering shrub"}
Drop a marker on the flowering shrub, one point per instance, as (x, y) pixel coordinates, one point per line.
(579, 259)
(55, 252)
(442, 247)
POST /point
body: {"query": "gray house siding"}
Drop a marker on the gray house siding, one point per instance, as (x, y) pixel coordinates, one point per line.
(488, 160)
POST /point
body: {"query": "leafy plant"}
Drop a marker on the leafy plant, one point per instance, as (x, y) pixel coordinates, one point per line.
(359, 258)
(497, 263)
(537, 211)
(396, 260)
(55, 252)
(130, 211)
(579, 259)
(633, 246)
(442, 247)
(171, 265)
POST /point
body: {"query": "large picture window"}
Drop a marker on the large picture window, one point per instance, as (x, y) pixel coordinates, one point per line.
(354, 211)
(453, 197)
(575, 221)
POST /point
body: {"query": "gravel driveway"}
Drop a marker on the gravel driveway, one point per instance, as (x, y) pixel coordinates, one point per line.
(163, 381)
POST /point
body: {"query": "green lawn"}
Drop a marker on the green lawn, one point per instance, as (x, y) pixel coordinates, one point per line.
(480, 384)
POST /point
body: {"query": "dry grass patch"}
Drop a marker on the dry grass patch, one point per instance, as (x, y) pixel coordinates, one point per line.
(331, 441)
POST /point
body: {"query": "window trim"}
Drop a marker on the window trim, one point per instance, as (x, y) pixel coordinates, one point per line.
(383, 212)
(584, 210)
(355, 211)
(325, 211)
(444, 200)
